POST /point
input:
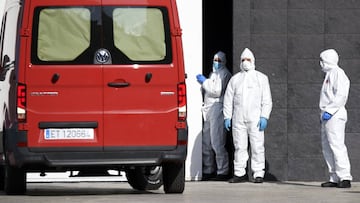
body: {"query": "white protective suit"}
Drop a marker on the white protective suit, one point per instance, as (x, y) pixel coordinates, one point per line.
(247, 98)
(333, 97)
(215, 156)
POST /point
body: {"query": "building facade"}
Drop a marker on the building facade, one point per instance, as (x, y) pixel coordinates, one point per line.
(287, 37)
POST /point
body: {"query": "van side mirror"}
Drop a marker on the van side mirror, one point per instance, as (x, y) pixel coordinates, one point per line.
(3, 68)
(6, 61)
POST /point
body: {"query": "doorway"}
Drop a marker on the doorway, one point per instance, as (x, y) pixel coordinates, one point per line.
(217, 32)
(217, 36)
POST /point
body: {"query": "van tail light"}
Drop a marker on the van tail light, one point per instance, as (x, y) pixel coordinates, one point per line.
(21, 103)
(182, 101)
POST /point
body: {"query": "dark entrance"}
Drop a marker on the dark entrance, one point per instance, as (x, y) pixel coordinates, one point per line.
(217, 32)
(217, 36)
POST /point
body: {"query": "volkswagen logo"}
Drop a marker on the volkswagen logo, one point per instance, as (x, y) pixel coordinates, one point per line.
(102, 56)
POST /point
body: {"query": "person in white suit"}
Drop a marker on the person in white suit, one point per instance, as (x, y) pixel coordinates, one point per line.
(214, 154)
(247, 108)
(333, 117)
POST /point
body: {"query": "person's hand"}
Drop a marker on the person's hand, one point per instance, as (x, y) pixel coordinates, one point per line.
(326, 116)
(227, 124)
(262, 123)
(200, 78)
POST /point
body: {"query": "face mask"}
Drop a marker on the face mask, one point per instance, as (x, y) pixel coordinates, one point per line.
(216, 65)
(246, 65)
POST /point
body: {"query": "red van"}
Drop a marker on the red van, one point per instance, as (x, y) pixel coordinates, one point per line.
(93, 84)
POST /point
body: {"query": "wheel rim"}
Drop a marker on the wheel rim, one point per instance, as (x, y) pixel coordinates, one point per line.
(154, 175)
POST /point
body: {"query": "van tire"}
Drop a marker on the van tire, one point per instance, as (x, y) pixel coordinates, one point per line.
(174, 177)
(145, 178)
(14, 180)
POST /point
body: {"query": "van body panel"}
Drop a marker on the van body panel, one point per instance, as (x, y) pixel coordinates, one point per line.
(143, 113)
(93, 83)
(75, 97)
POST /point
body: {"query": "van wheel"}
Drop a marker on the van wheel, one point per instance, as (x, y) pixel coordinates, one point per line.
(145, 178)
(174, 177)
(14, 180)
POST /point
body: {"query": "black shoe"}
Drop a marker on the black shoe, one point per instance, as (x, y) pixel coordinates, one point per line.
(259, 180)
(237, 179)
(207, 177)
(220, 177)
(344, 184)
(329, 184)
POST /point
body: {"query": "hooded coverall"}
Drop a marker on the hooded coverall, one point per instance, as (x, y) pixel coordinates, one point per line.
(333, 97)
(247, 98)
(214, 154)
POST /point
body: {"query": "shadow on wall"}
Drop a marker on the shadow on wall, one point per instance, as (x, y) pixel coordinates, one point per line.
(268, 176)
(195, 172)
(230, 149)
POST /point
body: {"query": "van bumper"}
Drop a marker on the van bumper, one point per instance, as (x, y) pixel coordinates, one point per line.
(72, 157)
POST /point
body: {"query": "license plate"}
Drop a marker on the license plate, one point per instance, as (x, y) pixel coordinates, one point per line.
(69, 134)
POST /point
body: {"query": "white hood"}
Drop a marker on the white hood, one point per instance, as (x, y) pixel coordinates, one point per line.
(330, 59)
(221, 55)
(247, 54)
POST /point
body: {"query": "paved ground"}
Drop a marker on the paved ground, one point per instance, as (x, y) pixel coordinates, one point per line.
(197, 192)
(112, 189)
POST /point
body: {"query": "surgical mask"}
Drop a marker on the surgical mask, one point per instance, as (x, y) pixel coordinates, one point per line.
(246, 65)
(216, 66)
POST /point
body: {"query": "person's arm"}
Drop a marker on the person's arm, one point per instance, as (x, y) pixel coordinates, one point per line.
(266, 103)
(340, 88)
(228, 100)
(213, 86)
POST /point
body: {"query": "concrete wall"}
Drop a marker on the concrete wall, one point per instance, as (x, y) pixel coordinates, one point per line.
(287, 37)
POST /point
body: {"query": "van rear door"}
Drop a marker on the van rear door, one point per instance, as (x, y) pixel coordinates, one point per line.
(102, 76)
(140, 85)
(64, 89)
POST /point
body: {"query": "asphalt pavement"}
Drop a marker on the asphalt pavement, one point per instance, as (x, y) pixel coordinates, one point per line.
(115, 189)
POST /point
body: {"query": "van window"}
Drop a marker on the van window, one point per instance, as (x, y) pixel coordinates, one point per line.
(139, 33)
(64, 33)
(73, 35)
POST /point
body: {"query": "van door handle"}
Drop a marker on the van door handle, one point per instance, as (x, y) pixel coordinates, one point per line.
(148, 77)
(55, 78)
(118, 84)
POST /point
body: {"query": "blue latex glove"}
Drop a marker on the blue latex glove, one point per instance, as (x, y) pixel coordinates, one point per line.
(227, 124)
(326, 116)
(262, 123)
(200, 78)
